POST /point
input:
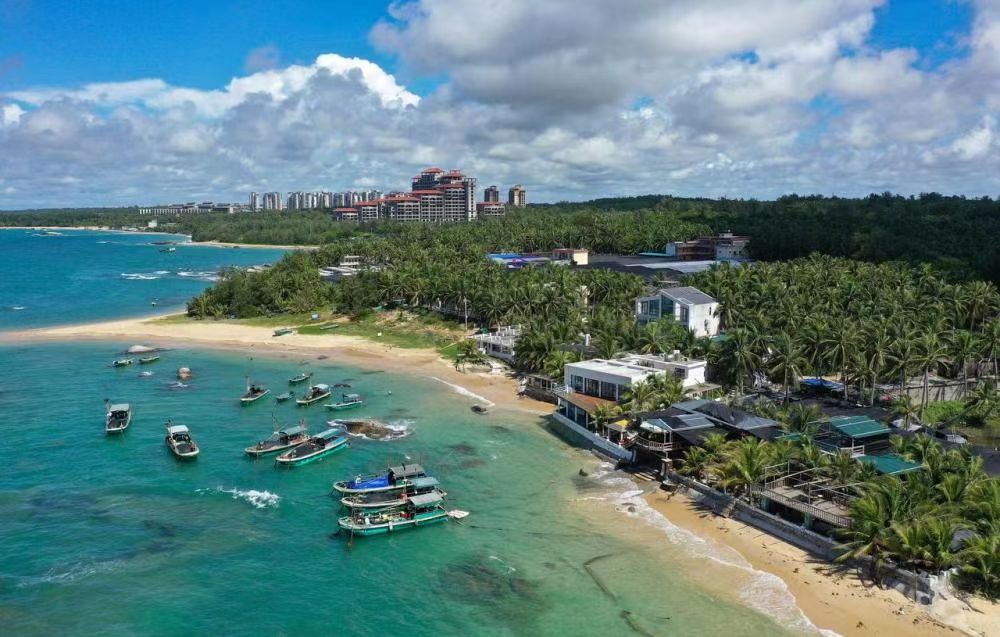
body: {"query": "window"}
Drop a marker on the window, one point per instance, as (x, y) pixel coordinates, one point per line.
(577, 383)
(680, 372)
(684, 316)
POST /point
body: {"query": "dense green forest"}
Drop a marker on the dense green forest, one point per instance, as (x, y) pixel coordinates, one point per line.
(960, 236)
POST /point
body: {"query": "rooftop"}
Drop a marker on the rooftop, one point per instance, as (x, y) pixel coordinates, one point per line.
(890, 464)
(858, 427)
(687, 294)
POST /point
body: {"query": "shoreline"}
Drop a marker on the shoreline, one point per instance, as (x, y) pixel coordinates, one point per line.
(837, 602)
(499, 390)
(189, 242)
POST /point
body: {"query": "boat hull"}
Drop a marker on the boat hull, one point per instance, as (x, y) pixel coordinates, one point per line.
(399, 486)
(343, 406)
(423, 519)
(246, 400)
(304, 402)
(256, 452)
(298, 380)
(319, 455)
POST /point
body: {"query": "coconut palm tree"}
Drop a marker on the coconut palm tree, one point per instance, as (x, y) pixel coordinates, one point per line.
(905, 408)
(930, 351)
(787, 361)
(884, 502)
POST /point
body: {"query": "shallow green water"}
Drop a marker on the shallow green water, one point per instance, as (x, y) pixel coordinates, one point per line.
(112, 536)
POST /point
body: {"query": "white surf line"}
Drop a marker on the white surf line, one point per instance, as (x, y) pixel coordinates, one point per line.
(465, 392)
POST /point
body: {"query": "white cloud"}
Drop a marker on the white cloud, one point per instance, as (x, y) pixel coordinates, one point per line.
(574, 98)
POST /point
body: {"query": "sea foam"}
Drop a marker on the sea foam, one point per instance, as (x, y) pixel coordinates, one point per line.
(75, 572)
(465, 392)
(257, 499)
(768, 593)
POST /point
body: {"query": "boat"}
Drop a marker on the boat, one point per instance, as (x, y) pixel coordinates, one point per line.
(280, 440)
(282, 331)
(253, 393)
(347, 401)
(301, 378)
(345, 385)
(180, 442)
(420, 510)
(123, 362)
(315, 394)
(384, 499)
(315, 448)
(168, 249)
(479, 409)
(396, 478)
(146, 360)
(117, 417)
(288, 395)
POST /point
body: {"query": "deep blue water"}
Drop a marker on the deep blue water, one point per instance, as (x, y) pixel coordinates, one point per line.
(81, 276)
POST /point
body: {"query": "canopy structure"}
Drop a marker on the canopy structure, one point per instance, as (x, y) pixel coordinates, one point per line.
(891, 464)
(330, 434)
(858, 427)
(321, 387)
(425, 482)
(293, 431)
(425, 499)
(822, 383)
(119, 407)
(177, 429)
(407, 470)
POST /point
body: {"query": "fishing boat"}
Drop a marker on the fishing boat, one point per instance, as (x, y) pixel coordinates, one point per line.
(180, 442)
(284, 396)
(253, 393)
(396, 478)
(168, 249)
(347, 401)
(315, 448)
(280, 440)
(282, 331)
(146, 360)
(123, 362)
(117, 417)
(385, 499)
(420, 510)
(316, 393)
(345, 385)
(301, 378)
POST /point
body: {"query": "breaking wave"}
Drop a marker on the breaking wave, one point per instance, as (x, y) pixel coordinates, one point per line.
(767, 594)
(138, 276)
(465, 392)
(258, 499)
(201, 276)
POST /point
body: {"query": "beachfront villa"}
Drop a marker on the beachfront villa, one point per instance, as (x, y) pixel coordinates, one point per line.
(499, 344)
(689, 306)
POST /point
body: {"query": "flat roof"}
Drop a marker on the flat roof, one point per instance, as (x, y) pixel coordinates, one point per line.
(425, 498)
(890, 464)
(406, 470)
(622, 368)
(687, 294)
(858, 426)
(119, 407)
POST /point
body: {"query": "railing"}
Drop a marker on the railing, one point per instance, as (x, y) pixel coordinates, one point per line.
(652, 445)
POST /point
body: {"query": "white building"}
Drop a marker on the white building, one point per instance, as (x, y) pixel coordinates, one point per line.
(612, 378)
(689, 306)
(500, 344)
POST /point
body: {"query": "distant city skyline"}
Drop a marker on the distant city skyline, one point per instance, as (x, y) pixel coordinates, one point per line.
(101, 105)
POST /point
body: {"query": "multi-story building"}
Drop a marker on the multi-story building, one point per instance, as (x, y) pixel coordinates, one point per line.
(486, 209)
(517, 196)
(722, 247)
(273, 201)
(491, 195)
(254, 202)
(689, 306)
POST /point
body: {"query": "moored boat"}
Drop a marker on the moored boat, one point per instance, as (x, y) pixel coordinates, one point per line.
(347, 401)
(396, 478)
(420, 510)
(301, 378)
(117, 417)
(253, 393)
(316, 393)
(280, 440)
(180, 442)
(282, 331)
(168, 249)
(385, 499)
(146, 360)
(315, 448)
(284, 396)
(123, 362)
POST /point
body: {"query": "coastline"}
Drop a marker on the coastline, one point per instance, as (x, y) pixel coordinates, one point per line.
(353, 350)
(835, 602)
(189, 242)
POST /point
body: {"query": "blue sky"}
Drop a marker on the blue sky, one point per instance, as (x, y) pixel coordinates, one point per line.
(570, 97)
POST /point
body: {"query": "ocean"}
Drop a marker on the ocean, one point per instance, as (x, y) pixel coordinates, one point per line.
(77, 276)
(110, 535)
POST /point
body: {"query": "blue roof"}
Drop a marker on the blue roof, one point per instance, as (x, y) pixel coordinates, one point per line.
(890, 464)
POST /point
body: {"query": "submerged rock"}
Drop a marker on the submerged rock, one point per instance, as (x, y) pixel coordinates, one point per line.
(463, 449)
(374, 429)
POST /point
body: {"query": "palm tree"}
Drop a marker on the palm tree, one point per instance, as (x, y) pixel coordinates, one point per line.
(884, 502)
(981, 565)
(924, 542)
(695, 462)
(905, 408)
(803, 419)
(739, 354)
(746, 465)
(930, 351)
(787, 360)
(965, 347)
(640, 397)
(842, 468)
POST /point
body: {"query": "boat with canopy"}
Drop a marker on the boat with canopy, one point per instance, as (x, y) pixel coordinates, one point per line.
(253, 393)
(316, 393)
(301, 378)
(420, 510)
(396, 478)
(315, 448)
(347, 401)
(179, 441)
(385, 499)
(280, 440)
(117, 417)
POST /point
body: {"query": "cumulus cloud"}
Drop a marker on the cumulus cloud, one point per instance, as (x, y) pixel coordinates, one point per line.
(573, 98)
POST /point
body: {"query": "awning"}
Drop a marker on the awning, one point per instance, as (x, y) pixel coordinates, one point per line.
(425, 499)
(891, 464)
(858, 426)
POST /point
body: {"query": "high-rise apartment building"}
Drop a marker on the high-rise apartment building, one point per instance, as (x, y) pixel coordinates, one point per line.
(491, 195)
(517, 196)
(254, 202)
(273, 201)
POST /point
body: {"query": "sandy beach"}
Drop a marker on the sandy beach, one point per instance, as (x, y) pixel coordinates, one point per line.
(224, 244)
(495, 389)
(832, 600)
(839, 601)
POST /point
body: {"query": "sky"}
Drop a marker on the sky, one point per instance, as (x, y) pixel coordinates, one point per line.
(125, 103)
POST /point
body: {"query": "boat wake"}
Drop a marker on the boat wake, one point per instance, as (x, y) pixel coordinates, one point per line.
(767, 594)
(76, 572)
(138, 276)
(465, 392)
(257, 499)
(211, 277)
(17, 308)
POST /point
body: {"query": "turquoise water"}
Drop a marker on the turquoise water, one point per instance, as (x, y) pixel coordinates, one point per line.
(82, 276)
(111, 536)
